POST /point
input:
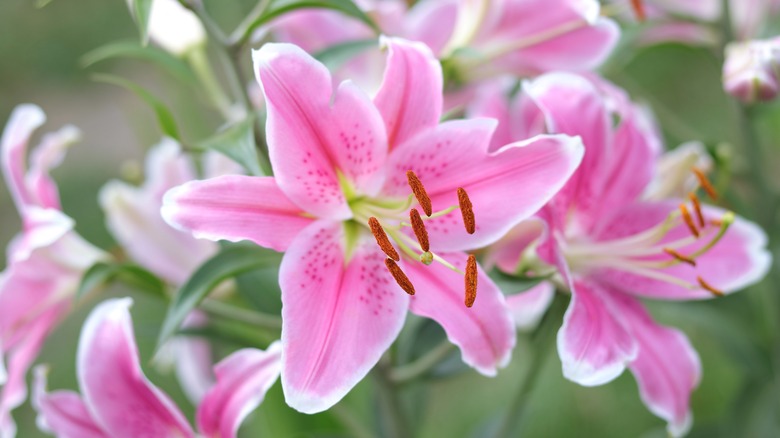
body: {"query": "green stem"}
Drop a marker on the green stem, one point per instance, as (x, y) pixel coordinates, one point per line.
(395, 420)
(419, 367)
(351, 421)
(244, 30)
(200, 64)
(228, 311)
(542, 340)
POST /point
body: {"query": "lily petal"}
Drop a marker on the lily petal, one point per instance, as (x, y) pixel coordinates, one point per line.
(505, 187)
(310, 141)
(431, 22)
(340, 313)
(235, 207)
(594, 344)
(62, 413)
(112, 382)
(410, 98)
(48, 155)
(667, 368)
(243, 378)
(485, 332)
(23, 121)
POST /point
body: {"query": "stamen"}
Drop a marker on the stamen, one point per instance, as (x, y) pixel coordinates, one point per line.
(466, 210)
(697, 208)
(680, 257)
(705, 285)
(705, 184)
(686, 215)
(381, 239)
(471, 280)
(419, 230)
(419, 192)
(399, 276)
(639, 9)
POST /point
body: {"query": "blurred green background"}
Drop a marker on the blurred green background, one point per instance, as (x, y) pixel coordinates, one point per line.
(738, 337)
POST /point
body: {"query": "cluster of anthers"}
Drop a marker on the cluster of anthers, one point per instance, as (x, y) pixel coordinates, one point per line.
(639, 253)
(417, 224)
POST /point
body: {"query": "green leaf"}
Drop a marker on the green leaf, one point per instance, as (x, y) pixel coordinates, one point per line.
(337, 55)
(142, 10)
(101, 274)
(131, 49)
(164, 116)
(237, 141)
(233, 260)
(281, 7)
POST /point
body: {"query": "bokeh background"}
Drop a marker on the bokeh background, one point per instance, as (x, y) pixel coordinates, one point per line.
(738, 337)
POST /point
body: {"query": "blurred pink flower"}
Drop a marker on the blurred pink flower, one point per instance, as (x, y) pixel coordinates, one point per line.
(751, 72)
(45, 262)
(484, 38)
(340, 158)
(611, 245)
(117, 400)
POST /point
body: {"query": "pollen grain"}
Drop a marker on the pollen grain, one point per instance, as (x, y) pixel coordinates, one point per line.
(381, 239)
(419, 192)
(399, 276)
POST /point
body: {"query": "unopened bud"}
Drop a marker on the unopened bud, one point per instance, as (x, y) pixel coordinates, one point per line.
(751, 70)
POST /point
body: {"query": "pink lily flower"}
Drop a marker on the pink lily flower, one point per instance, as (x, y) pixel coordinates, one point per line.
(751, 72)
(613, 241)
(485, 38)
(117, 400)
(45, 262)
(339, 159)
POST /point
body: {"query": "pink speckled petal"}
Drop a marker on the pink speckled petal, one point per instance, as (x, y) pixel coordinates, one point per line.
(594, 343)
(235, 207)
(23, 121)
(410, 97)
(122, 401)
(311, 140)
(339, 314)
(48, 155)
(243, 378)
(667, 368)
(62, 413)
(485, 332)
(737, 261)
(505, 187)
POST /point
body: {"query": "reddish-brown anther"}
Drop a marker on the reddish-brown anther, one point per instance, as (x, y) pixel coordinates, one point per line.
(399, 276)
(466, 210)
(419, 229)
(419, 192)
(381, 239)
(471, 280)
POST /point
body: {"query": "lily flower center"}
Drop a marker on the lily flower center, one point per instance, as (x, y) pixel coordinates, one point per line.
(387, 220)
(650, 252)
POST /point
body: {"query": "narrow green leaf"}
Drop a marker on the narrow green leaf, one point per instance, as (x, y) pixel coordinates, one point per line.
(233, 260)
(131, 49)
(281, 7)
(164, 116)
(101, 274)
(141, 12)
(337, 55)
(237, 141)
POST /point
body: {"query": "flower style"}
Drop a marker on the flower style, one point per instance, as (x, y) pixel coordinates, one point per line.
(117, 400)
(45, 262)
(340, 159)
(614, 241)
